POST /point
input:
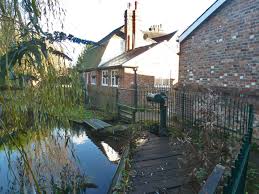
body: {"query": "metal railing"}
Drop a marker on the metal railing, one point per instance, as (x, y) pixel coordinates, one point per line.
(193, 110)
(189, 109)
(236, 182)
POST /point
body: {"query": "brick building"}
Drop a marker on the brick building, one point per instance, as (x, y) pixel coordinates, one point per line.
(152, 53)
(221, 48)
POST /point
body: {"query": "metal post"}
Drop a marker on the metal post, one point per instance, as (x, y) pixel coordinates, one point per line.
(117, 103)
(250, 122)
(135, 94)
(162, 129)
(182, 107)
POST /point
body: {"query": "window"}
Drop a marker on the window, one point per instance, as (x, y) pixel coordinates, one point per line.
(114, 78)
(105, 78)
(93, 78)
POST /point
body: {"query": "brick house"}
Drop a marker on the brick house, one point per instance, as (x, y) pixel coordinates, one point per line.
(221, 48)
(128, 50)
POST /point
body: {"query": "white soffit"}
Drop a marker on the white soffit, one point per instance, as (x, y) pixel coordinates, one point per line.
(201, 19)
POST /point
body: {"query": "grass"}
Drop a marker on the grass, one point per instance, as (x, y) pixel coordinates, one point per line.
(80, 114)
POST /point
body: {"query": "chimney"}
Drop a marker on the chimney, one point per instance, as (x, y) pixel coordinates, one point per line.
(133, 29)
(128, 28)
(137, 35)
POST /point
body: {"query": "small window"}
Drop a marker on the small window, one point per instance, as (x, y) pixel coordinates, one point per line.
(115, 78)
(93, 78)
(105, 78)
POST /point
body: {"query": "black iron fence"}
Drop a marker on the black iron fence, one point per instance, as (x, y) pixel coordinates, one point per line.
(237, 180)
(195, 109)
(187, 110)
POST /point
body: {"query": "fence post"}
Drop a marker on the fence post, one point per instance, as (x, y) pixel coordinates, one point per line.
(250, 122)
(117, 102)
(182, 106)
(163, 128)
(135, 95)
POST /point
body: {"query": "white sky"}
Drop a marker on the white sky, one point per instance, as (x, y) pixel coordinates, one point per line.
(93, 19)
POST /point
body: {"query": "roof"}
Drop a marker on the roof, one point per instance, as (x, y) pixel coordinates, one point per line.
(117, 31)
(123, 58)
(201, 19)
(93, 56)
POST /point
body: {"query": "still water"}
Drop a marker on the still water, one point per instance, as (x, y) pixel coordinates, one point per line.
(58, 160)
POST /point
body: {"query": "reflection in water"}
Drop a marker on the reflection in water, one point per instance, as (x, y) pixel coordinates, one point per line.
(81, 139)
(112, 155)
(57, 160)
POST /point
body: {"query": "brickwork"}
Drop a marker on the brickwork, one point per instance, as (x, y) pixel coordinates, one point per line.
(142, 80)
(223, 53)
(125, 92)
(224, 50)
(126, 80)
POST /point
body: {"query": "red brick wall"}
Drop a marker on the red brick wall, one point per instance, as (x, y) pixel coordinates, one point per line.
(142, 80)
(224, 50)
(126, 80)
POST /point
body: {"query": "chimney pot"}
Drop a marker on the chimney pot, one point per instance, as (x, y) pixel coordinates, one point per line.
(129, 5)
(136, 5)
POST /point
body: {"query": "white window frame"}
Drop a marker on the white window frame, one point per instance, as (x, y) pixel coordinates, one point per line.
(93, 81)
(105, 78)
(114, 78)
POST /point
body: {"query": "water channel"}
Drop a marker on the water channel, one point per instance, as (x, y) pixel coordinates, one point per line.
(58, 160)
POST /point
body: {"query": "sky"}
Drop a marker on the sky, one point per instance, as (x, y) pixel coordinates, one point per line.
(94, 19)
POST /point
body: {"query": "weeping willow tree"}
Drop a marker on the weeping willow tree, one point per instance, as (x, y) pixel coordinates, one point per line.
(35, 82)
(33, 69)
